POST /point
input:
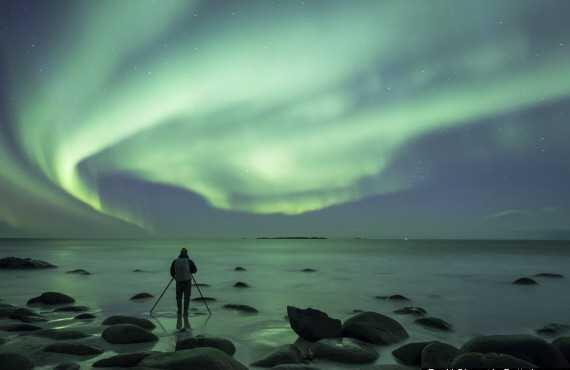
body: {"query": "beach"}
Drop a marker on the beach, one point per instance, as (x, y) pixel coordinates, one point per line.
(467, 284)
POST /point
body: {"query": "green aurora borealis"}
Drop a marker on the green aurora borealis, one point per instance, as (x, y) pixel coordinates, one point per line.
(261, 108)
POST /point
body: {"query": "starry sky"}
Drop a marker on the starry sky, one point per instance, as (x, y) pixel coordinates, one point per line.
(381, 118)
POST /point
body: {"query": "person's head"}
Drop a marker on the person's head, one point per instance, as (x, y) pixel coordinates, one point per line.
(183, 252)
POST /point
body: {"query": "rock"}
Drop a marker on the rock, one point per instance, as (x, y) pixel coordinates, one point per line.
(239, 268)
(19, 327)
(139, 270)
(127, 334)
(85, 316)
(198, 358)
(489, 361)
(60, 334)
(525, 347)
(553, 329)
(222, 344)
(438, 355)
(313, 325)
(141, 296)
(434, 323)
(394, 297)
(411, 353)
(415, 311)
(294, 367)
(78, 349)
(15, 361)
(525, 281)
(2, 341)
(563, 345)
(78, 272)
(241, 284)
(374, 328)
(26, 315)
(120, 319)
(241, 308)
(52, 298)
(204, 299)
(122, 360)
(202, 285)
(67, 366)
(549, 275)
(391, 367)
(286, 354)
(345, 350)
(15, 263)
(72, 309)
(308, 270)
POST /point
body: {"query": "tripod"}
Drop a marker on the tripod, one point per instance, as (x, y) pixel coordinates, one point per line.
(168, 285)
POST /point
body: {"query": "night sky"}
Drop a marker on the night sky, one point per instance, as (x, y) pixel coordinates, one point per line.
(419, 119)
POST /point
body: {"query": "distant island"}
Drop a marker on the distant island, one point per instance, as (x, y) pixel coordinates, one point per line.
(291, 237)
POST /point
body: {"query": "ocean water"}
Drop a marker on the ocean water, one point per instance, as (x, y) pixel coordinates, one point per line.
(467, 283)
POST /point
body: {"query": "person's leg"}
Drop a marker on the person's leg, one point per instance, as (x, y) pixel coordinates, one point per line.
(187, 291)
(179, 291)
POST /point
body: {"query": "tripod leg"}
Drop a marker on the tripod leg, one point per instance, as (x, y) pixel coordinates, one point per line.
(159, 298)
(201, 295)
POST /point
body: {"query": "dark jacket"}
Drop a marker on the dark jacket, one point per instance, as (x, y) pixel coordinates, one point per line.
(191, 264)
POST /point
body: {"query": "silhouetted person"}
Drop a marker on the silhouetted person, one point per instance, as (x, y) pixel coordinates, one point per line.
(181, 270)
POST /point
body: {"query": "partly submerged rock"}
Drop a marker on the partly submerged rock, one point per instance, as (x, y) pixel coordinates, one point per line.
(122, 360)
(51, 299)
(294, 367)
(526, 347)
(438, 355)
(122, 319)
(26, 315)
(411, 353)
(15, 361)
(553, 329)
(473, 360)
(127, 334)
(549, 275)
(19, 327)
(72, 309)
(85, 316)
(15, 263)
(308, 270)
(286, 354)
(434, 323)
(60, 334)
(312, 324)
(239, 268)
(525, 281)
(241, 284)
(345, 350)
(67, 366)
(241, 308)
(204, 299)
(204, 358)
(78, 349)
(143, 295)
(78, 272)
(222, 344)
(410, 310)
(394, 297)
(374, 328)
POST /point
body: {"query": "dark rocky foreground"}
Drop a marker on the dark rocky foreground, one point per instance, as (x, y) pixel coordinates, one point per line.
(122, 341)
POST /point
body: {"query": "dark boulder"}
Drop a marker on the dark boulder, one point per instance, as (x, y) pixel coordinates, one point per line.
(239, 268)
(85, 316)
(143, 295)
(374, 328)
(550, 275)
(294, 367)
(474, 360)
(122, 360)
(121, 319)
(51, 299)
(78, 272)
(345, 350)
(198, 358)
(525, 281)
(313, 325)
(60, 334)
(78, 349)
(241, 308)
(241, 284)
(286, 354)
(553, 329)
(19, 327)
(72, 309)
(222, 344)
(394, 298)
(308, 270)
(204, 299)
(15, 361)
(434, 323)
(67, 366)
(411, 353)
(414, 311)
(15, 263)
(563, 345)
(526, 347)
(26, 315)
(127, 334)
(438, 355)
